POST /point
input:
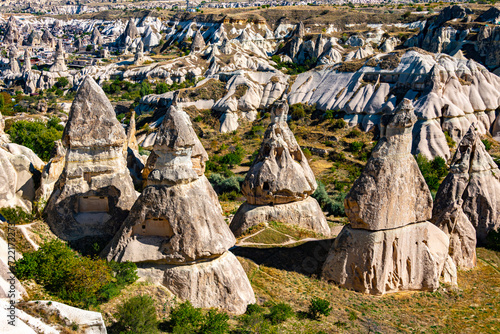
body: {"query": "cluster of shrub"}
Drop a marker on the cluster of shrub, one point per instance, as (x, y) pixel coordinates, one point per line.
(334, 205)
(77, 280)
(227, 188)
(294, 68)
(38, 136)
(222, 163)
(138, 315)
(433, 171)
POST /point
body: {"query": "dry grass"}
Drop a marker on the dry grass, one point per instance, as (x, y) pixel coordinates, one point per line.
(474, 308)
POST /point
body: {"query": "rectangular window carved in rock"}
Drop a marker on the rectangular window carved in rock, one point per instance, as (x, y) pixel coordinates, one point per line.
(93, 204)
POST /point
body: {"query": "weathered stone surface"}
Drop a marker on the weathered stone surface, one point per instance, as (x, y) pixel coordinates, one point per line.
(391, 191)
(13, 186)
(95, 191)
(474, 185)
(305, 214)
(92, 120)
(389, 246)
(218, 283)
(179, 156)
(462, 234)
(198, 42)
(176, 224)
(88, 322)
(411, 257)
(182, 223)
(4, 138)
(51, 172)
(60, 59)
(280, 173)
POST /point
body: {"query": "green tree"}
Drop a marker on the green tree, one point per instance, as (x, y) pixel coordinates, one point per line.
(62, 82)
(38, 136)
(137, 315)
(145, 88)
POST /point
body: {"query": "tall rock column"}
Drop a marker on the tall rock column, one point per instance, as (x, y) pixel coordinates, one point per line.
(467, 205)
(175, 231)
(389, 245)
(59, 61)
(94, 193)
(279, 183)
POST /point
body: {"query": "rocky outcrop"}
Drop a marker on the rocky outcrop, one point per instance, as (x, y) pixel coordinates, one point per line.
(94, 193)
(58, 318)
(198, 42)
(139, 54)
(4, 138)
(17, 185)
(448, 93)
(11, 35)
(389, 245)
(59, 59)
(279, 175)
(51, 172)
(469, 197)
(176, 226)
(128, 36)
(13, 62)
(96, 38)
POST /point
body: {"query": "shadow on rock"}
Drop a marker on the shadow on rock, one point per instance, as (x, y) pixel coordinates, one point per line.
(306, 258)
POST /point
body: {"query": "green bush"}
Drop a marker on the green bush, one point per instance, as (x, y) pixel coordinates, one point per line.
(38, 136)
(185, 319)
(280, 313)
(433, 171)
(487, 144)
(81, 280)
(223, 184)
(256, 131)
(297, 111)
(137, 315)
(356, 146)
(16, 215)
(451, 143)
(161, 88)
(145, 89)
(62, 82)
(493, 240)
(318, 307)
(332, 205)
(215, 323)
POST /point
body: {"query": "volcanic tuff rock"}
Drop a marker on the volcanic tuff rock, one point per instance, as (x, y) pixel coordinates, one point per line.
(198, 42)
(95, 191)
(60, 62)
(176, 225)
(11, 35)
(391, 192)
(472, 186)
(280, 174)
(448, 93)
(96, 38)
(388, 246)
(4, 138)
(51, 172)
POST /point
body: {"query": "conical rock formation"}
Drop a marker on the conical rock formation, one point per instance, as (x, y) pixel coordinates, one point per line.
(279, 182)
(472, 188)
(95, 191)
(198, 42)
(389, 246)
(175, 231)
(391, 192)
(59, 59)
